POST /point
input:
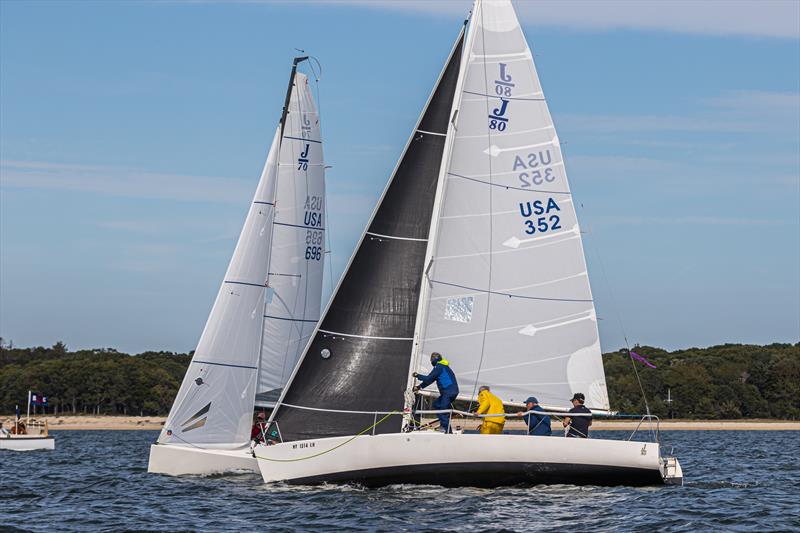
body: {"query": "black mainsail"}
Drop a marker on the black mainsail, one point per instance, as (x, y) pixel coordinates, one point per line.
(359, 357)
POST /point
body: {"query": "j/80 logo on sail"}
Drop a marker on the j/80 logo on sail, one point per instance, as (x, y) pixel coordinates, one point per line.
(502, 87)
(538, 217)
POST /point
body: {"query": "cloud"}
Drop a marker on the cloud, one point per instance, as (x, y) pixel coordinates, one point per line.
(764, 18)
(616, 220)
(730, 112)
(637, 123)
(125, 182)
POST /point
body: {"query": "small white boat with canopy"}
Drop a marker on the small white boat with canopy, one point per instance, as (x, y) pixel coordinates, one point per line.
(28, 435)
(474, 251)
(266, 308)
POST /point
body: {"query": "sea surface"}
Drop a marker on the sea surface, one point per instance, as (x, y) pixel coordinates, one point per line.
(98, 481)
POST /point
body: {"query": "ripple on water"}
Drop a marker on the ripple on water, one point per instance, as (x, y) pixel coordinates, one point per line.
(97, 480)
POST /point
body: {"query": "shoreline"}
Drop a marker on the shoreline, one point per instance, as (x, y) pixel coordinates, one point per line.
(110, 422)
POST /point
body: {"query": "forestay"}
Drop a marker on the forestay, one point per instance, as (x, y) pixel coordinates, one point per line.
(508, 298)
(298, 250)
(214, 405)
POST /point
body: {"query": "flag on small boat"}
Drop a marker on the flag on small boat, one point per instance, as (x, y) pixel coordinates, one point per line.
(38, 399)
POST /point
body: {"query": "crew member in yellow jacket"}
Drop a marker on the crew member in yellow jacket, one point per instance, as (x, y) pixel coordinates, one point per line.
(489, 403)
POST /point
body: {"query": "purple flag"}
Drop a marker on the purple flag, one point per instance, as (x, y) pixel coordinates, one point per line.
(644, 360)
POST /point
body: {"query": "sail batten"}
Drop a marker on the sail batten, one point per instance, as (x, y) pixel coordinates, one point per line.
(248, 345)
(298, 256)
(508, 259)
(218, 389)
(360, 353)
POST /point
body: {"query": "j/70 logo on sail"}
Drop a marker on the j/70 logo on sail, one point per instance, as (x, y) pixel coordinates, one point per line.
(302, 161)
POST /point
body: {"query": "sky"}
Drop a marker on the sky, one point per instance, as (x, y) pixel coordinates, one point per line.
(132, 136)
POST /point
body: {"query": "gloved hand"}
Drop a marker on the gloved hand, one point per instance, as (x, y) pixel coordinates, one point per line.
(415, 375)
(416, 388)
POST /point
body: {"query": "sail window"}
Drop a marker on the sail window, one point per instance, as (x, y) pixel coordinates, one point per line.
(459, 309)
(325, 353)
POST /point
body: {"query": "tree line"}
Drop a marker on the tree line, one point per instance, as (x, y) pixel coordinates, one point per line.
(100, 381)
(719, 382)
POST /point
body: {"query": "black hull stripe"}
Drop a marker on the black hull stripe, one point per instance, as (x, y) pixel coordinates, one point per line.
(492, 474)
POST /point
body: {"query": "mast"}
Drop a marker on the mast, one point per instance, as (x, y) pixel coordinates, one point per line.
(282, 124)
(422, 308)
(297, 61)
(296, 263)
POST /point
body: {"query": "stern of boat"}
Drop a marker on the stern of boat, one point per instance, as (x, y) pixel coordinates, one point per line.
(671, 471)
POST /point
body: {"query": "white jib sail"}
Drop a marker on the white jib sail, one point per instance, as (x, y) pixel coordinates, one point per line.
(508, 299)
(214, 406)
(298, 248)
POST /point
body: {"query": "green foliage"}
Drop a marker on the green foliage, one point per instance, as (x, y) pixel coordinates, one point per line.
(727, 381)
(719, 382)
(101, 381)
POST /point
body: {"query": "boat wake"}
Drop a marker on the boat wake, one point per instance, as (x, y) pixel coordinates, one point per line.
(722, 484)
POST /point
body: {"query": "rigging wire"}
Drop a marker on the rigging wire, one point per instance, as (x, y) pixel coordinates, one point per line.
(615, 308)
(317, 73)
(488, 295)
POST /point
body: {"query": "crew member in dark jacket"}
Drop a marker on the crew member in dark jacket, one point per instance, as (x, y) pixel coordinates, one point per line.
(445, 380)
(578, 426)
(537, 424)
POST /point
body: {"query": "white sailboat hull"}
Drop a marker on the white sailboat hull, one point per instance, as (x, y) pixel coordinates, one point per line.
(183, 460)
(25, 443)
(462, 460)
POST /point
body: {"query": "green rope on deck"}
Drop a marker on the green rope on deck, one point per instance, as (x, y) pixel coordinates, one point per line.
(365, 430)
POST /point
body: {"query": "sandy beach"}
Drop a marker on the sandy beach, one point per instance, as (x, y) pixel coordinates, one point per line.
(156, 422)
(91, 422)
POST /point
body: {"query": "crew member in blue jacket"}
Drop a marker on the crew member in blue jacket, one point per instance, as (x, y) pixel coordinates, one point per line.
(537, 424)
(445, 380)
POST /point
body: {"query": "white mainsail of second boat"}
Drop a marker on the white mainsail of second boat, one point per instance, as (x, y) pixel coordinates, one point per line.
(474, 251)
(265, 308)
(506, 297)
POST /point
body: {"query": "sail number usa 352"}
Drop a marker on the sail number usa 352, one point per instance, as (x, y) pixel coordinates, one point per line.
(540, 216)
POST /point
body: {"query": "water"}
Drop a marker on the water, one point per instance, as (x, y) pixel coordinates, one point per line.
(97, 480)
